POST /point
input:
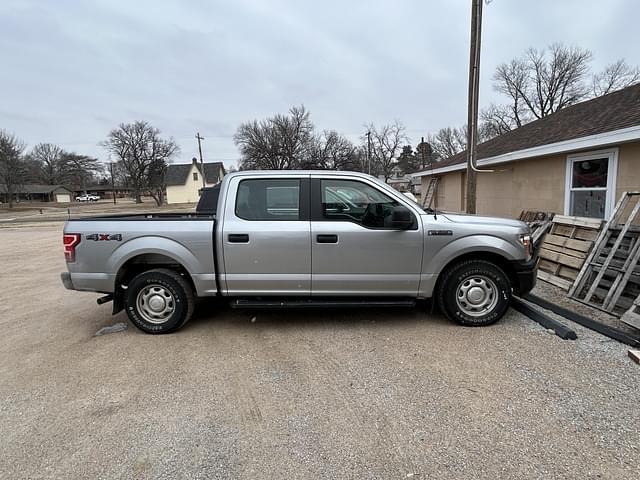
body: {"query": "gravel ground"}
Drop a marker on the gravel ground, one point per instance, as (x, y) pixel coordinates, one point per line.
(559, 296)
(319, 394)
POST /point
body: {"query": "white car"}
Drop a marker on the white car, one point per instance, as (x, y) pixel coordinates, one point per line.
(87, 198)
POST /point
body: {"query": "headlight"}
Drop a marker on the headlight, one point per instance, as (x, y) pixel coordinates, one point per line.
(528, 246)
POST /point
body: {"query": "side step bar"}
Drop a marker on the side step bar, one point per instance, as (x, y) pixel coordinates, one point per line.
(321, 303)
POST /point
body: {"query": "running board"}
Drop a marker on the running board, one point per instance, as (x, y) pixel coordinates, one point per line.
(321, 303)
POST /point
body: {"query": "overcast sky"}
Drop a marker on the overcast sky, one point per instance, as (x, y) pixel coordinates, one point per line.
(72, 70)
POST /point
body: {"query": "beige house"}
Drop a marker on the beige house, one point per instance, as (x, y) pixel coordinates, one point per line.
(184, 180)
(576, 161)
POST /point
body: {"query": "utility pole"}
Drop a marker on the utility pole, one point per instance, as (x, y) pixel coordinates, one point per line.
(369, 152)
(113, 184)
(472, 120)
(204, 184)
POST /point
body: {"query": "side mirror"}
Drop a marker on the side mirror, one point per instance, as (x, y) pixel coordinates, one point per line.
(401, 218)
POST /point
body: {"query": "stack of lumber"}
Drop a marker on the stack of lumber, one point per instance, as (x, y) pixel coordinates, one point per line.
(565, 249)
(538, 221)
(610, 276)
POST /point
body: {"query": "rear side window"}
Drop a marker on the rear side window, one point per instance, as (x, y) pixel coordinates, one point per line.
(268, 199)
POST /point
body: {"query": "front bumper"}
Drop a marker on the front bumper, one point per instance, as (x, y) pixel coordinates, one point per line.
(66, 280)
(526, 275)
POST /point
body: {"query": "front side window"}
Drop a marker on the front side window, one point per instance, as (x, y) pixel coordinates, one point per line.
(268, 199)
(353, 201)
(588, 183)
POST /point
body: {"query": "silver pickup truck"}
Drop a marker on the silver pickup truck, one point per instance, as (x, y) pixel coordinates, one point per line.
(300, 239)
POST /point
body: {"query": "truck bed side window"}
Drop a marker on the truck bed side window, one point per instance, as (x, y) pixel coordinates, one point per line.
(268, 199)
(357, 202)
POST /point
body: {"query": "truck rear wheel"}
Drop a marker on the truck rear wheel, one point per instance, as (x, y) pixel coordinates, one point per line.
(474, 293)
(159, 301)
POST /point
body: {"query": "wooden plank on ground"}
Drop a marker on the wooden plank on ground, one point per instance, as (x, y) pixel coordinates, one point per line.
(552, 279)
(635, 356)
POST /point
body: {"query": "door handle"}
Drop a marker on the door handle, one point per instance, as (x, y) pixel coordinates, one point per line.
(238, 238)
(324, 238)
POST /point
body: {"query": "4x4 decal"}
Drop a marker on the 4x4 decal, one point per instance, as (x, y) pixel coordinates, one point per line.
(104, 236)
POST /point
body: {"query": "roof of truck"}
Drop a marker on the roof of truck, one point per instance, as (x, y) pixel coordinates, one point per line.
(300, 173)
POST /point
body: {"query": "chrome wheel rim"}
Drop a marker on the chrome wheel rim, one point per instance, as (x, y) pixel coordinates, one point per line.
(477, 295)
(155, 304)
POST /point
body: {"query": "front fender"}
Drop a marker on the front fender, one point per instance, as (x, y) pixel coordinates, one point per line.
(471, 244)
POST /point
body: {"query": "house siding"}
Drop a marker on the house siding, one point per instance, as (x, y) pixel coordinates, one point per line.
(535, 184)
(187, 193)
(449, 195)
(628, 179)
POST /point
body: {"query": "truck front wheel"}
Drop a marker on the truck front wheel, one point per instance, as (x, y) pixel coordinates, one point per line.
(159, 301)
(474, 293)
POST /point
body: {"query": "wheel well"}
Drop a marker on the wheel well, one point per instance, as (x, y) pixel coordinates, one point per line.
(139, 264)
(494, 258)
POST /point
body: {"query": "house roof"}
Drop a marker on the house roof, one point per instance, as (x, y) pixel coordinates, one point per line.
(34, 189)
(617, 111)
(106, 188)
(177, 172)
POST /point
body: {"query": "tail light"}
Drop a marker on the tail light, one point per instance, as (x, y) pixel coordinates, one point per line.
(70, 241)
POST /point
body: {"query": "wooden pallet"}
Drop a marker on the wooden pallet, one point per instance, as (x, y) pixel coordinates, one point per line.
(632, 316)
(431, 191)
(610, 277)
(565, 248)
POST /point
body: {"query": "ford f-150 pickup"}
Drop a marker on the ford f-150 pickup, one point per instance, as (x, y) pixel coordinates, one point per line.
(298, 239)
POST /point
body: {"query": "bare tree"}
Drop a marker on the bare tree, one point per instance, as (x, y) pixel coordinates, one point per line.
(614, 77)
(49, 163)
(143, 155)
(544, 81)
(496, 120)
(12, 164)
(281, 142)
(448, 141)
(79, 170)
(386, 145)
(332, 151)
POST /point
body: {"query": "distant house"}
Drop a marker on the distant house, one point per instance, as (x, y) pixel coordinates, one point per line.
(106, 191)
(185, 180)
(576, 161)
(38, 193)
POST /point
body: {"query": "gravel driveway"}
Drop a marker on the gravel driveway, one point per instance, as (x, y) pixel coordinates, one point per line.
(289, 394)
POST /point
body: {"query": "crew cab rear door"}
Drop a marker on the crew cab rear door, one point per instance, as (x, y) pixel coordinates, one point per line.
(355, 249)
(266, 238)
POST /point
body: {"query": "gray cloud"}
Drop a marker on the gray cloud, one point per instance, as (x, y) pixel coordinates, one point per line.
(74, 69)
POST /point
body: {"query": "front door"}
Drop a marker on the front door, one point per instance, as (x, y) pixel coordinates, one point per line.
(355, 249)
(266, 237)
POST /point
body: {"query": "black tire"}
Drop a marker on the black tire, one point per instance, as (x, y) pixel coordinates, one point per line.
(454, 304)
(171, 288)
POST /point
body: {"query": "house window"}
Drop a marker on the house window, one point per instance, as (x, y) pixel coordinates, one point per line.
(195, 176)
(590, 183)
